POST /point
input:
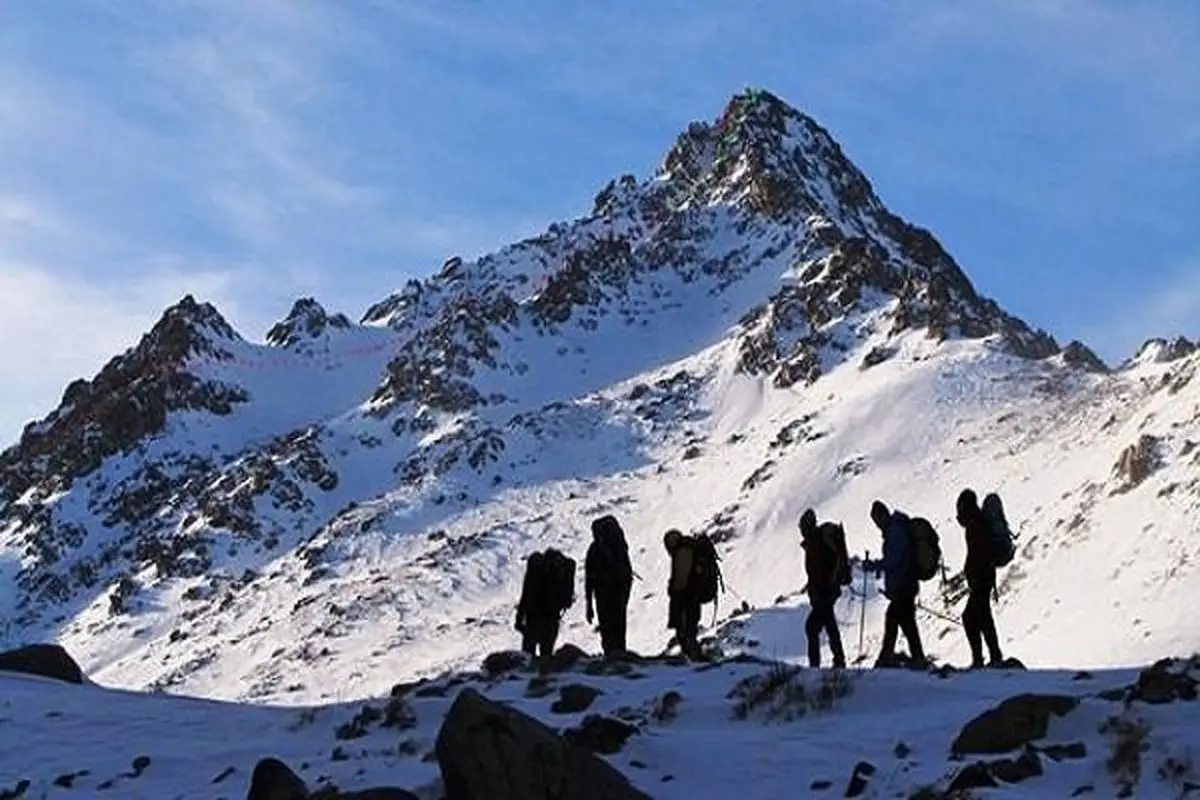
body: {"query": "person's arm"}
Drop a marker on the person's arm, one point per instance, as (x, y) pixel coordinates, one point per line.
(589, 580)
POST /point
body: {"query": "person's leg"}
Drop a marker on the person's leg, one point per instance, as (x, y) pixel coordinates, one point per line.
(604, 617)
(835, 636)
(812, 630)
(987, 626)
(908, 623)
(691, 630)
(621, 622)
(970, 619)
(891, 628)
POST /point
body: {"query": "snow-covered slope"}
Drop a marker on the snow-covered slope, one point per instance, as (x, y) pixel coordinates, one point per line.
(746, 333)
(731, 729)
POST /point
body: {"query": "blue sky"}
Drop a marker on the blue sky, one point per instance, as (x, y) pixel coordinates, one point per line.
(252, 152)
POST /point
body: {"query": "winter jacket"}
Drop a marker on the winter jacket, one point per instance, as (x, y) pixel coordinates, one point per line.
(978, 568)
(818, 566)
(899, 558)
(681, 570)
(606, 572)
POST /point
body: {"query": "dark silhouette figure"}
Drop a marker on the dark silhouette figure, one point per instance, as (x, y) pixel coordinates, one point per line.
(978, 622)
(820, 565)
(900, 584)
(683, 614)
(608, 579)
(537, 619)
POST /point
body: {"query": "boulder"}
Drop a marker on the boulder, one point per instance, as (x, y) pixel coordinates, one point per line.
(274, 780)
(47, 660)
(497, 664)
(603, 735)
(574, 698)
(489, 751)
(1162, 682)
(1014, 723)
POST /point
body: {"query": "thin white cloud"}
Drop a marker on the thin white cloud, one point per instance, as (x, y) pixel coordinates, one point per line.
(55, 329)
(1170, 307)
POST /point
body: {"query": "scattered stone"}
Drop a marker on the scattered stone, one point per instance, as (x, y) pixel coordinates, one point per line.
(574, 698)
(1065, 752)
(503, 662)
(139, 765)
(603, 735)
(1082, 675)
(274, 780)
(1159, 683)
(1014, 723)
(17, 792)
(490, 751)
(46, 660)
(860, 778)
(566, 657)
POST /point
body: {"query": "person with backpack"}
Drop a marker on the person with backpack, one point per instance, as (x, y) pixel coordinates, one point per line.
(827, 565)
(683, 614)
(608, 580)
(980, 572)
(547, 591)
(901, 584)
(695, 579)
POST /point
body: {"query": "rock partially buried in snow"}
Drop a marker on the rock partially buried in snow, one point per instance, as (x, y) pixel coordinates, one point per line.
(1014, 723)
(46, 660)
(488, 751)
(1161, 683)
(603, 735)
(274, 780)
(497, 664)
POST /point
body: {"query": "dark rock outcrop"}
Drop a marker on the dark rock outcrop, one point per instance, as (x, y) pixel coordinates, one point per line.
(1015, 723)
(274, 780)
(47, 660)
(1164, 682)
(488, 751)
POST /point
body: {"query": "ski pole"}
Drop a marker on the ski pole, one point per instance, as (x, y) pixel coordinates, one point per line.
(862, 601)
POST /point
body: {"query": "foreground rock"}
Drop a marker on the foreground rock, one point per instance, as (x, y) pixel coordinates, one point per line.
(46, 660)
(274, 780)
(488, 751)
(1014, 723)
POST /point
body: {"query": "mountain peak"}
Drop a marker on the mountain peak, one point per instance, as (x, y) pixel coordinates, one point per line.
(188, 328)
(764, 154)
(307, 320)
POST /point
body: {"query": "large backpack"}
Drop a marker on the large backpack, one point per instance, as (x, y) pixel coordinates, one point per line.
(833, 537)
(927, 552)
(558, 574)
(1001, 541)
(614, 551)
(706, 578)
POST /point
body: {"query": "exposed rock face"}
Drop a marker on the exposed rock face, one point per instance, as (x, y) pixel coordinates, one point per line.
(1162, 351)
(1014, 723)
(47, 660)
(1136, 462)
(1077, 354)
(488, 751)
(306, 321)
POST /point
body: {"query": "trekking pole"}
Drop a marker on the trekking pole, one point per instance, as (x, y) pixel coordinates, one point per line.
(862, 604)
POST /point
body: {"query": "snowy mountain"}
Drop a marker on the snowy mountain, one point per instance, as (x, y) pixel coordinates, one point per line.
(746, 333)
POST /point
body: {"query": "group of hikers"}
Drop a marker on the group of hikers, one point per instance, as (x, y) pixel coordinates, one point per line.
(911, 555)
